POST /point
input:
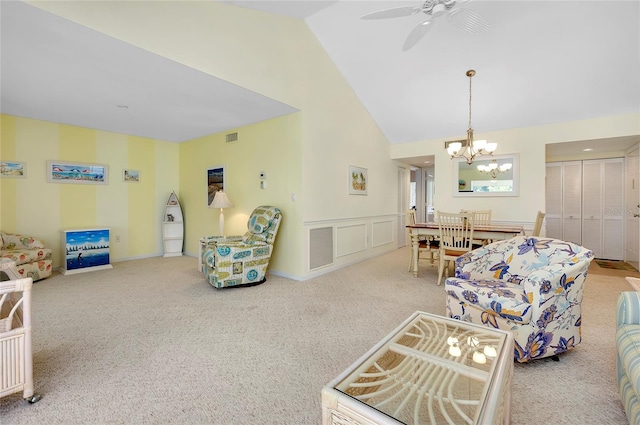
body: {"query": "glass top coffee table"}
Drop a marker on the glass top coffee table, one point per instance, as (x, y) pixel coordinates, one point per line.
(429, 370)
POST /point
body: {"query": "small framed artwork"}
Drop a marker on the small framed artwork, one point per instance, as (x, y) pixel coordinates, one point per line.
(215, 182)
(358, 180)
(130, 176)
(13, 169)
(77, 172)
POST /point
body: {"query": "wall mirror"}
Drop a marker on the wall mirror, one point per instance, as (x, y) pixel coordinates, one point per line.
(495, 175)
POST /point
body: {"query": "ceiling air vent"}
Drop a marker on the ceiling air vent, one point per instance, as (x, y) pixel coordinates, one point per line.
(463, 141)
(232, 137)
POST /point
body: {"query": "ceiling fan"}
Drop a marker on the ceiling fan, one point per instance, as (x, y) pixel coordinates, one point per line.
(464, 19)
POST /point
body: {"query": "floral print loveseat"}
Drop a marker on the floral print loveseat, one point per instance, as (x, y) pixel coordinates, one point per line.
(31, 257)
(531, 286)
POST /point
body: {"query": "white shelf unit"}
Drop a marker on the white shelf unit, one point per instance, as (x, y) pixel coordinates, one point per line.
(172, 227)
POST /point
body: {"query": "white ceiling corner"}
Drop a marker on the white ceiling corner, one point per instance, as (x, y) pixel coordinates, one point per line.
(541, 62)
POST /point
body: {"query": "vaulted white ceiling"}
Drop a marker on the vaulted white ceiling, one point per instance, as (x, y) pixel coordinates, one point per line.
(541, 62)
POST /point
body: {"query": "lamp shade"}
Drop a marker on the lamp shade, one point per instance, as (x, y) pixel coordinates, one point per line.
(220, 200)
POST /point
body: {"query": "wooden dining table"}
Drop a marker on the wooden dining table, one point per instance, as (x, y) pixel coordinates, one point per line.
(493, 232)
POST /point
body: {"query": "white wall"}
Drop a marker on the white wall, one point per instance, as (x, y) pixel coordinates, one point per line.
(530, 144)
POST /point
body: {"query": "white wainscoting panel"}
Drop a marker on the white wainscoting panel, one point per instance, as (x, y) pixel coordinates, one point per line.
(382, 233)
(336, 243)
(351, 239)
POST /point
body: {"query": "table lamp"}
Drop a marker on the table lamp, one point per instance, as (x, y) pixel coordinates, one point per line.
(220, 200)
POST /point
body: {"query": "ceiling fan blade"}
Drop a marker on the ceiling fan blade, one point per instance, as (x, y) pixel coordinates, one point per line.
(396, 12)
(416, 35)
(468, 20)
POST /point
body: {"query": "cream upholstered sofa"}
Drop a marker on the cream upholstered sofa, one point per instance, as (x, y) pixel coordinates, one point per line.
(32, 259)
(242, 260)
(530, 286)
(628, 353)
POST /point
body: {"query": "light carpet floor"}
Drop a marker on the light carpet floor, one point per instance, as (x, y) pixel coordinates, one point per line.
(150, 342)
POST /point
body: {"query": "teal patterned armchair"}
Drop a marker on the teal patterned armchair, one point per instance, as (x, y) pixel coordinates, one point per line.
(242, 260)
(530, 286)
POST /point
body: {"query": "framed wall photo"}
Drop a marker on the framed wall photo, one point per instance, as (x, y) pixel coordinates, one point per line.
(130, 176)
(13, 169)
(77, 172)
(358, 180)
(215, 182)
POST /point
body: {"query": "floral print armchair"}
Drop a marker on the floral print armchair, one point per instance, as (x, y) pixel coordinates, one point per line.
(529, 285)
(242, 260)
(32, 259)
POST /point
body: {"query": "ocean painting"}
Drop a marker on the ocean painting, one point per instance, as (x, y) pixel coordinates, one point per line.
(87, 248)
(66, 172)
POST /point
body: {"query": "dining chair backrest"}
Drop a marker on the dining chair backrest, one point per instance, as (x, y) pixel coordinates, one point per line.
(456, 232)
(411, 217)
(481, 217)
(538, 226)
(456, 238)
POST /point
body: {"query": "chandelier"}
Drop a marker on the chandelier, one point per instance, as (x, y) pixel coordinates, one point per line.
(471, 148)
(494, 169)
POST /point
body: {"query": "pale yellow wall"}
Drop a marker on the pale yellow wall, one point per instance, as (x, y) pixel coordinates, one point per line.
(530, 144)
(271, 146)
(275, 56)
(278, 57)
(41, 209)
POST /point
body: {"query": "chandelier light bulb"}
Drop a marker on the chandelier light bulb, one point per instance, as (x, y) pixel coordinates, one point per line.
(455, 351)
(454, 148)
(490, 351)
(491, 147)
(452, 340)
(494, 169)
(479, 145)
(479, 358)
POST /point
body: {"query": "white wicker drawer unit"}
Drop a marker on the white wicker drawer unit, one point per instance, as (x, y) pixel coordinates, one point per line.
(429, 370)
(16, 365)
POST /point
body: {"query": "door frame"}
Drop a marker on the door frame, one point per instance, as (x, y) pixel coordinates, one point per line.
(632, 207)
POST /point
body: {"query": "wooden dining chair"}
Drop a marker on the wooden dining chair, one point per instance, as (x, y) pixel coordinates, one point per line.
(538, 226)
(480, 218)
(456, 236)
(425, 246)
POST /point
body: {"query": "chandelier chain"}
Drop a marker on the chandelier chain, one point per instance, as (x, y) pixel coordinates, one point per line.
(470, 77)
(471, 147)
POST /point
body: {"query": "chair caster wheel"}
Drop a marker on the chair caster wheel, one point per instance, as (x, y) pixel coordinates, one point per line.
(34, 398)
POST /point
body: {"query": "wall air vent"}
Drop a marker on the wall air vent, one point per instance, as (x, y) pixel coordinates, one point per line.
(446, 144)
(320, 247)
(232, 137)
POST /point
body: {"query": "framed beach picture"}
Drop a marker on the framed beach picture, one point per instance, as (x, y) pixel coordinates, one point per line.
(358, 180)
(215, 182)
(13, 169)
(130, 176)
(77, 172)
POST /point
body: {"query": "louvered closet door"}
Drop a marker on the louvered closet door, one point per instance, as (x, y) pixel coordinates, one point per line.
(553, 204)
(592, 206)
(613, 209)
(572, 202)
